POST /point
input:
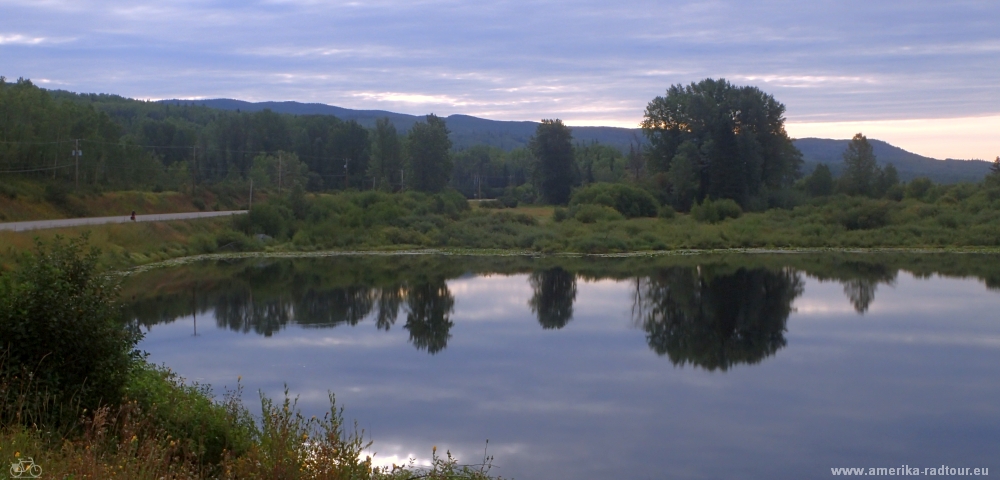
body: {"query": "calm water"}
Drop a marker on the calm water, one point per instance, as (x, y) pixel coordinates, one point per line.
(690, 367)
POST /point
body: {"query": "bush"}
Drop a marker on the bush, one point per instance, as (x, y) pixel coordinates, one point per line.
(268, 218)
(596, 213)
(918, 188)
(714, 211)
(62, 330)
(667, 212)
(187, 413)
(56, 194)
(630, 201)
(866, 215)
(8, 191)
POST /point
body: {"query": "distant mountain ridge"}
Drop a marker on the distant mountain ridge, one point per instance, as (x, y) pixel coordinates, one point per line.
(467, 131)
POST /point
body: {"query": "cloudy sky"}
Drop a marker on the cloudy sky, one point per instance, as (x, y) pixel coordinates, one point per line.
(924, 75)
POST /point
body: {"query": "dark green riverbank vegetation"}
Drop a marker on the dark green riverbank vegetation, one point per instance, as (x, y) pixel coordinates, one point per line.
(715, 169)
(79, 399)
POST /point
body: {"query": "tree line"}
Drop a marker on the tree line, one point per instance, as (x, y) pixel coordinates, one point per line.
(706, 141)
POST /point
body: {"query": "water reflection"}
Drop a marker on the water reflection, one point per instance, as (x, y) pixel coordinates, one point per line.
(554, 294)
(715, 319)
(704, 312)
(430, 305)
(578, 358)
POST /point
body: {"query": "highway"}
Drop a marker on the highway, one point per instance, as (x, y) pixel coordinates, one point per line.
(76, 222)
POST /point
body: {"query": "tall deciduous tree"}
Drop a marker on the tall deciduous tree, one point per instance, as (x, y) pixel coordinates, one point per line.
(739, 133)
(860, 168)
(553, 150)
(429, 158)
(386, 163)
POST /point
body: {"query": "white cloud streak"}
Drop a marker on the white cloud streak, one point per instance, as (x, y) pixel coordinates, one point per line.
(588, 62)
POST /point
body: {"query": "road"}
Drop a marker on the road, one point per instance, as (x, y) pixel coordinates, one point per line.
(76, 222)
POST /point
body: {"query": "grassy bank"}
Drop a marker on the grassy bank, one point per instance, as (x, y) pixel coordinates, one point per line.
(80, 402)
(24, 200)
(371, 221)
(127, 244)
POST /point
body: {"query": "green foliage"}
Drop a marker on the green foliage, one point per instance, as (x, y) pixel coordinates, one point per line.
(716, 211)
(820, 182)
(590, 213)
(61, 329)
(730, 142)
(630, 201)
(918, 188)
(206, 430)
(269, 218)
(554, 170)
(667, 212)
(600, 163)
(860, 167)
(864, 216)
(429, 166)
(387, 156)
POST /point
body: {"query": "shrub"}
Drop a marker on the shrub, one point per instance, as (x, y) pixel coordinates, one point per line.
(56, 194)
(8, 191)
(918, 188)
(866, 215)
(186, 412)
(667, 212)
(268, 218)
(561, 214)
(596, 213)
(61, 329)
(714, 211)
(630, 201)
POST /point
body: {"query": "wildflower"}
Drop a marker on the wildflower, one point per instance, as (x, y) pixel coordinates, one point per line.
(17, 454)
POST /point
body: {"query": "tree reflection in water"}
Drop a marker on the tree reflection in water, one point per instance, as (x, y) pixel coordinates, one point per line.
(238, 311)
(713, 316)
(429, 305)
(860, 288)
(554, 294)
(714, 319)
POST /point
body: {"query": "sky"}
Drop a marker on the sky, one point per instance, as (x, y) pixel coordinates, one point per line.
(923, 75)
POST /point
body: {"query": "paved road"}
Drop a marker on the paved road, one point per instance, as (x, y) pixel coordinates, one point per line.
(75, 222)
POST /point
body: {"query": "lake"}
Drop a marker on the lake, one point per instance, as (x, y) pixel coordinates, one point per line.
(727, 366)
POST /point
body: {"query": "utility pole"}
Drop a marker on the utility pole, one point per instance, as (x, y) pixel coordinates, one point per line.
(347, 175)
(402, 182)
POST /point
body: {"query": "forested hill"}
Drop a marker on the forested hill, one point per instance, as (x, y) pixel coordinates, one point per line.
(466, 130)
(908, 164)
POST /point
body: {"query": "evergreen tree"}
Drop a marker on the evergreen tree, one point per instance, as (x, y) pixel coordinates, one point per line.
(553, 150)
(860, 167)
(820, 182)
(429, 158)
(387, 155)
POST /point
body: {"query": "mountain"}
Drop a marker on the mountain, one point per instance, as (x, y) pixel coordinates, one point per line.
(467, 131)
(908, 164)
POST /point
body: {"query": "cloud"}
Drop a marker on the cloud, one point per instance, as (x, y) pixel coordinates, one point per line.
(16, 39)
(587, 62)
